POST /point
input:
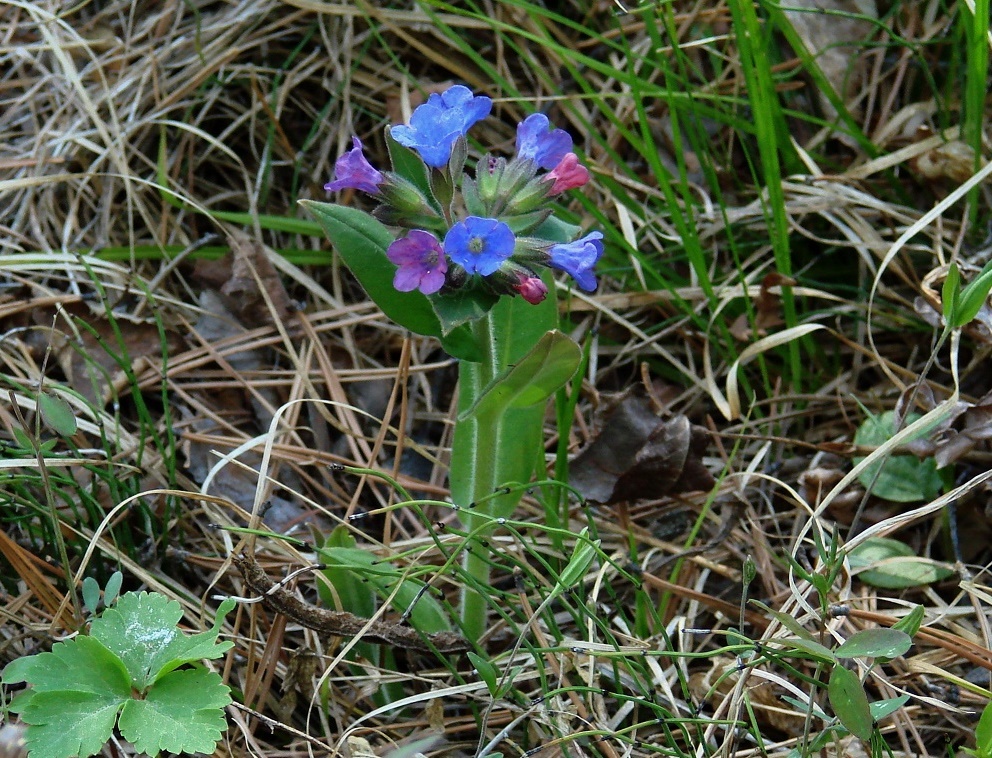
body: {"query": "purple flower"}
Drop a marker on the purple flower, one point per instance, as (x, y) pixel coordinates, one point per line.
(578, 259)
(435, 125)
(353, 171)
(539, 142)
(421, 262)
(568, 174)
(531, 289)
(479, 245)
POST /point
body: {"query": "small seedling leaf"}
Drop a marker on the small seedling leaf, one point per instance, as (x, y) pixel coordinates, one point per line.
(894, 565)
(486, 670)
(903, 478)
(949, 294)
(533, 379)
(57, 414)
(91, 594)
(875, 643)
(113, 588)
(847, 698)
(911, 622)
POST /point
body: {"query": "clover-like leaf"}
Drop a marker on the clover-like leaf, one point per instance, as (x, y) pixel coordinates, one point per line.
(77, 690)
(81, 664)
(181, 713)
(64, 724)
(141, 629)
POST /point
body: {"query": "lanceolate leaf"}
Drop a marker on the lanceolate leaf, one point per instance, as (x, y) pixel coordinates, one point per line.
(542, 371)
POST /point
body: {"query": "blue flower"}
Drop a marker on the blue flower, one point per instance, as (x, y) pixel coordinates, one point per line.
(539, 142)
(353, 171)
(578, 259)
(479, 245)
(435, 125)
(421, 262)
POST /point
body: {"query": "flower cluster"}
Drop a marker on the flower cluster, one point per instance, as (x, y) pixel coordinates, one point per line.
(491, 231)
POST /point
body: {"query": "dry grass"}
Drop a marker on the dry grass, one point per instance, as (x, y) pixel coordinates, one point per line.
(188, 379)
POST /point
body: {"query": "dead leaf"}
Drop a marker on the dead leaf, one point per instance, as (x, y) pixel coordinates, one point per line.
(250, 285)
(92, 355)
(638, 456)
(828, 29)
(767, 307)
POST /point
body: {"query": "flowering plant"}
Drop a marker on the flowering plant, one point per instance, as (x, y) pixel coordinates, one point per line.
(467, 258)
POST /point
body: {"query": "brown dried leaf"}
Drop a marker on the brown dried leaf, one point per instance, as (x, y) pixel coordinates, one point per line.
(252, 288)
(637, 455)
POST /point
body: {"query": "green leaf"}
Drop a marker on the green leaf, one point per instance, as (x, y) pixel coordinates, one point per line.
(361, 241)
(983, 732)
(183, 712)
(532, 380)
(91, 594)
(875, 643)
(911, 622)
(113, 588)
(77, 690)
(427, 615)
(57, 414)
(582, 556)
(847, 698)
(973, 296)
(894, 564)
(949, 294)
(812, 647)
(785, 620)
(64, 724)
(486, 671)
(882, 708)
(141, 629)
(462, 306)
(901, 479)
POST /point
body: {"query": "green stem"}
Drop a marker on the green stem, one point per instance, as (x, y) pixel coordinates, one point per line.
(475, 475)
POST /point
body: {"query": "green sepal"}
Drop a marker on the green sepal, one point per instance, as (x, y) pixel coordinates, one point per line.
(554, 229)
(526, 223)
(532, 379)
(462, 306)
(408, 164)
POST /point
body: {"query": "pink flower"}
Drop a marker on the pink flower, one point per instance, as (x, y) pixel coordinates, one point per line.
(531, 289)
(568, 174)
(421, 262)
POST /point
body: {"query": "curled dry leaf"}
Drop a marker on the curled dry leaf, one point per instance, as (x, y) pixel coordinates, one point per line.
(638, 456)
